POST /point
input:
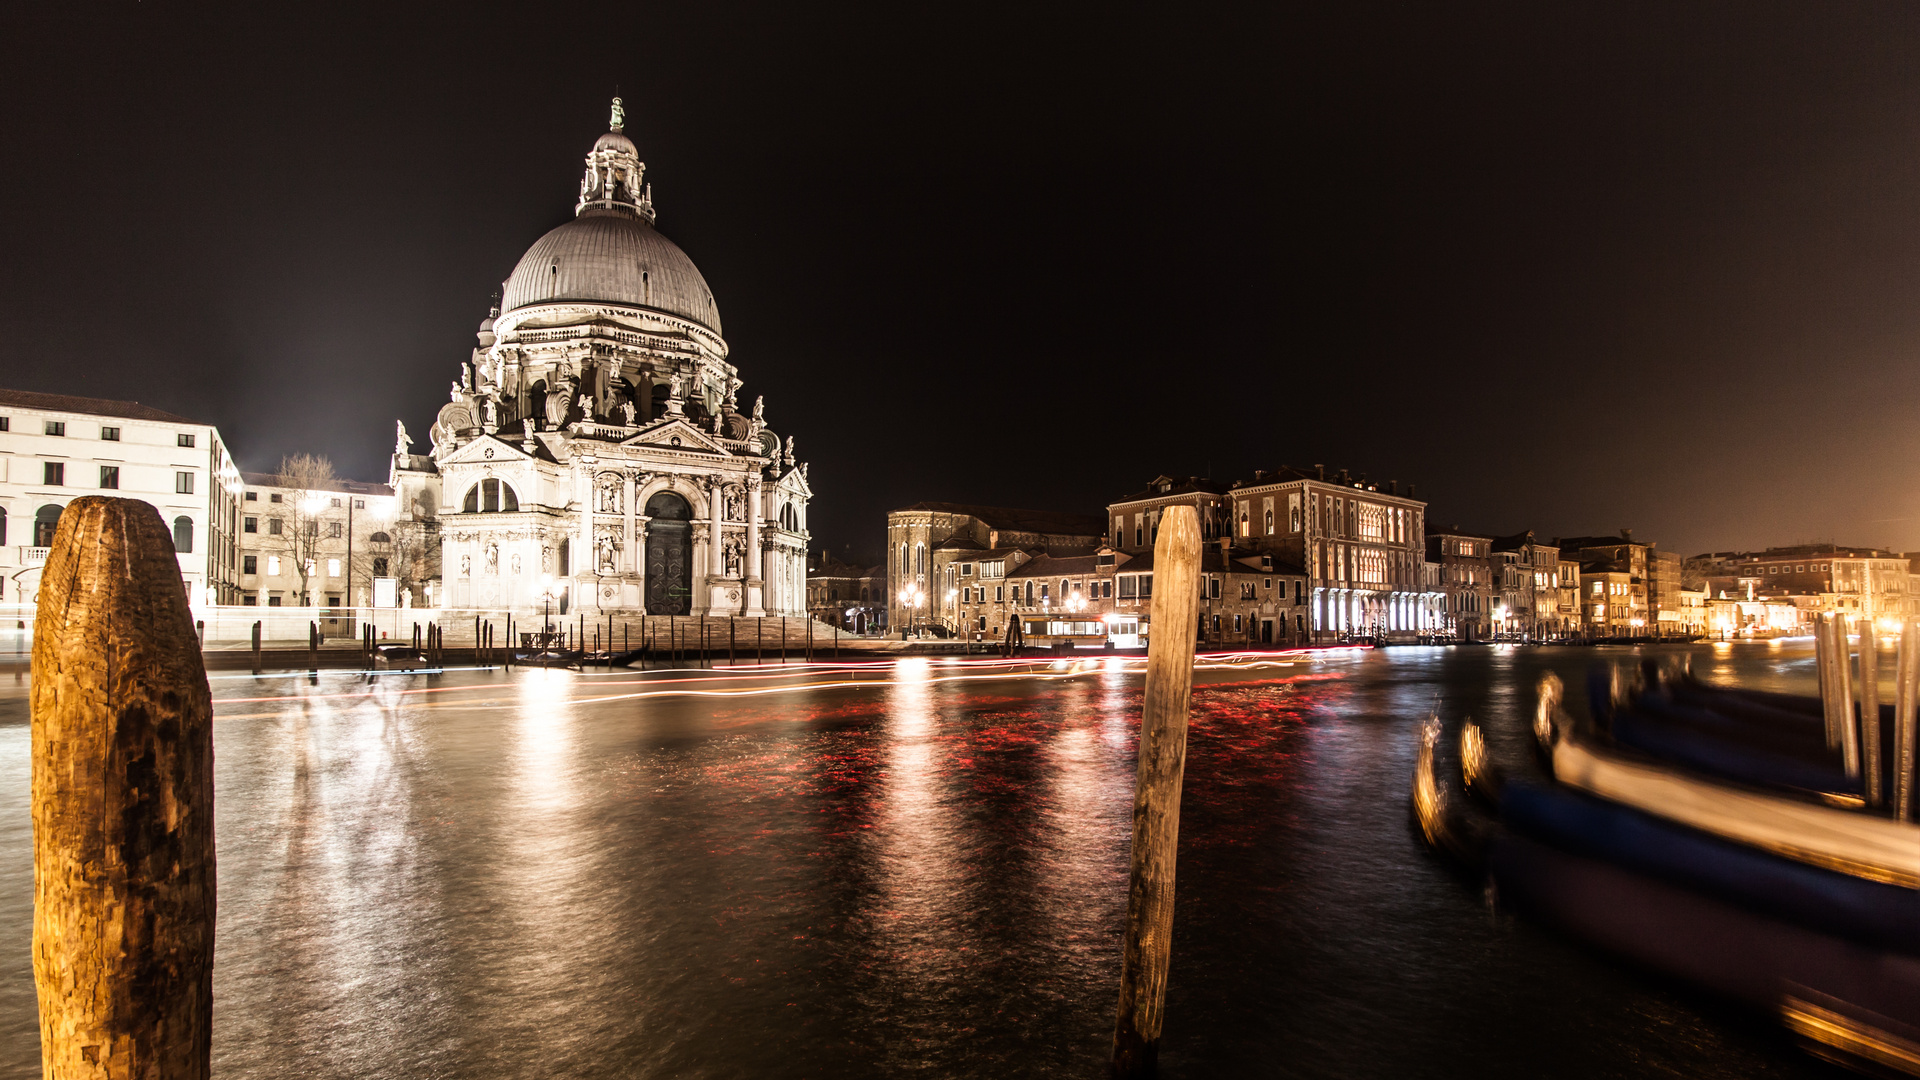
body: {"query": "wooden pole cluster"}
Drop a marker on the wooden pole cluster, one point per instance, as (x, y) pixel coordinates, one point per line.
(123, 860)
(1850, 701)
(1147, 947)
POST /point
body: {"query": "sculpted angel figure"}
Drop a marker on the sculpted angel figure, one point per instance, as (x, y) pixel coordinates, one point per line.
(400, 440)
(493, 557)
(736, 505)
(627, 410)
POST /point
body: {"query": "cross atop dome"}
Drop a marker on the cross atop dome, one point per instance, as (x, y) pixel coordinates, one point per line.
(615, 182)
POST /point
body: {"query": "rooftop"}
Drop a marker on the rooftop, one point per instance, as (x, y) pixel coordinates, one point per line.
(126, 410)
(1016, 520)
(344, 486)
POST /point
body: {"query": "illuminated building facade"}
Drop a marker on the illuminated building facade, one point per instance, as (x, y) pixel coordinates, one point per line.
(1860, 582)
(1527, 579)
(55, 448)
(594, 455)
(1359, 545)
(853, 598)
(936, 549)
(1466, 568)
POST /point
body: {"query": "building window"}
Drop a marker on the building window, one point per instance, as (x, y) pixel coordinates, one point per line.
(110, 434)
(53, 474)
(333, 530)
(183, 483)
(273, 601)
(336, 504)
(1106, 589)
(6, 423)
(1043, 594)
(183, 534)
(359, 504)
(249, 564)
(110, 476)
(999, 591)
(966, 596)
(253, 496)
(491, 497)
(56, 427)
(183, 439)
(333, 567)
(333, 599)
(251, 524)
(249, 600)
(3, 526)
(379, 568)
(273, 526)
(273, 566)
(276, 497)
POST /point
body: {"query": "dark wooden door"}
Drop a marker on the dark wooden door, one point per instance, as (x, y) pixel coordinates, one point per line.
(669, 555)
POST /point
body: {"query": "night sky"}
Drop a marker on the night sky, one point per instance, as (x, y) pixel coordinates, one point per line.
(1569, 268)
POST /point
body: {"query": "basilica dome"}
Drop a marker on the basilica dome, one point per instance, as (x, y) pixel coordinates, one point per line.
(603, 255)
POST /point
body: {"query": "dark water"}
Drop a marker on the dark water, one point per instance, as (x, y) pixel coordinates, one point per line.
(546, 876)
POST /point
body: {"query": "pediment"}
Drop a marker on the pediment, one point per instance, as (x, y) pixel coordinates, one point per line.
(486, 448)
(676, 433)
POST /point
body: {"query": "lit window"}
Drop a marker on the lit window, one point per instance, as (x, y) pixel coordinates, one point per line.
(273, 563)
(333, 567)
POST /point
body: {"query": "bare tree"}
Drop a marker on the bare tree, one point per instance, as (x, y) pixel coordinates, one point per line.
(406, 550)
(294, 525)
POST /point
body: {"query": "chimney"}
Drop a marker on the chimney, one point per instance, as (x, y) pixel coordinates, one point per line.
(1409, 491)
(1321, 470)
(1627, 535)
(1393, 487)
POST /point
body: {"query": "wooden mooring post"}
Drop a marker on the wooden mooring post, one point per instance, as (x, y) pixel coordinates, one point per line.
(1906, 673)
(1147, 946)
(1870, 710)
(123, 860)
(256, 646)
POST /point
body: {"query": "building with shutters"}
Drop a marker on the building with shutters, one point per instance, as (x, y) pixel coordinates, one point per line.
(55, 448)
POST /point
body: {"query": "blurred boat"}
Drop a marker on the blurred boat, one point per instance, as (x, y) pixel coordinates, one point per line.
(1778, 896)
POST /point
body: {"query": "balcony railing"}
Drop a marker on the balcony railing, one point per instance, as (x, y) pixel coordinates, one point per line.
(32, 556)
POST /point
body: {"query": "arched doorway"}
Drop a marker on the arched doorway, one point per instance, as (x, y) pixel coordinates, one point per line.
(45, 521)
(669, 555)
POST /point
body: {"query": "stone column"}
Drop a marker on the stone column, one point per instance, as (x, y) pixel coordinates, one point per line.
(584, 554)
(717, 563)
(756, 605)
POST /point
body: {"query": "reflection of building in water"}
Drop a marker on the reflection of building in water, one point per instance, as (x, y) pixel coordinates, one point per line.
(594, 443)
(55, 448)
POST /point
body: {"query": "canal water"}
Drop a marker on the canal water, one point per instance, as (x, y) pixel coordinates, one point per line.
(556, 874)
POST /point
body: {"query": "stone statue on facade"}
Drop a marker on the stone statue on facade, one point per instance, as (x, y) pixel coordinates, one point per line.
(627, 410)
(788, 459)
(492, 411)
(493, 557)
(734, 550)
(606, 560)
(609, 492)
(400, 440)
(736, 503)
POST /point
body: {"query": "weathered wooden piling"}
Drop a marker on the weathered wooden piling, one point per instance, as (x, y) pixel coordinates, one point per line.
(123, 861)
(256, 647)
(1840, 663)
(1905, 673)
(1146, 948)
(1870, 710)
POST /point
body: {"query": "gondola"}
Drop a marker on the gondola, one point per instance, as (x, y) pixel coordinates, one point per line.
(1799, 905)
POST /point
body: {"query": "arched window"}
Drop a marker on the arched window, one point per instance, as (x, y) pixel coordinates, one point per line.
(490, 496)
(566, 557)
(380, 538)
(183, 534)
(1269, 523)
(45, 520)
(1063, 588)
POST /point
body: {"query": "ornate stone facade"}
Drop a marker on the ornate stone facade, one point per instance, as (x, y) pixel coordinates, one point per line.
(593, 450)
